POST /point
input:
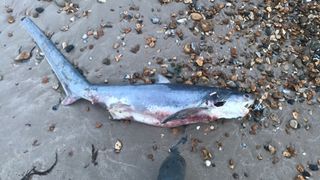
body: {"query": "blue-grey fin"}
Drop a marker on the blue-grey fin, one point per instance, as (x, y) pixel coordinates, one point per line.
(71, 80)
(183, 114)
(162, 79)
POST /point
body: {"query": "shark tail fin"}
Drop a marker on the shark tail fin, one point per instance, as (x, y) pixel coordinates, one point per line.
(73, 83)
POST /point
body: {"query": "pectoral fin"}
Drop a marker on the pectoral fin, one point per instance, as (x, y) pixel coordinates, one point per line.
(185, 113)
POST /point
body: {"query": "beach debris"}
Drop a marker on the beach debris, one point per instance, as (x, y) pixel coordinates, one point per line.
(200, 61)
(117, 57)
(118, 146)
(52, 127)
(151, 41)
(102, 1)
(94, 155)
(234, 52)
(70, 7)
(155, 20)
(61, 3)
(208, 163)
(289, 152)
(99, 125)
(270, 148)
(45, 80)
(235, 176)
(106, 61)
(196, 16)
(295, 115)
(151, 157)
(69, 48)
(11, 19)
(34, 171)
(313, 167)
(39, 10)
(294, 124)
(24, 55)
(135, 48)
(206, 154)
(231, 164)
(194, 144)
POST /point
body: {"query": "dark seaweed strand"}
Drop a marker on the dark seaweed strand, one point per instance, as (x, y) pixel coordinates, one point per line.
(94, 155)
(33, 171)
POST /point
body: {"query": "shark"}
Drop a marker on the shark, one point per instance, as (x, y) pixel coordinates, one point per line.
(162, 104)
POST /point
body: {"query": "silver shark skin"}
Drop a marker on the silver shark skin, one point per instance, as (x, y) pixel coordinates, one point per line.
(162, 104)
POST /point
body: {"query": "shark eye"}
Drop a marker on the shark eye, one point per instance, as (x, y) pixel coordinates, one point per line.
(219, 103)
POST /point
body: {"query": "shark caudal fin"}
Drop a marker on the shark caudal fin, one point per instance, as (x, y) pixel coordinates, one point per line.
(71, 80)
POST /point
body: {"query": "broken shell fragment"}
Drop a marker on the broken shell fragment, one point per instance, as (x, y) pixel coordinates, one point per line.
(24, 55)
(151, 41)
(289, 152)
(295, 114)
(117, 146)
(187, 48)
(199, 61)
(206, 155)
(231, 164)
(270, 148)
(300, 168)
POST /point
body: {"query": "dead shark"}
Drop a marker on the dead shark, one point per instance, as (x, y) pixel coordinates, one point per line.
(162, 104)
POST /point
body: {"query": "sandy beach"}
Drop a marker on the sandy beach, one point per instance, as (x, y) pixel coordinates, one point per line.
(268, 49)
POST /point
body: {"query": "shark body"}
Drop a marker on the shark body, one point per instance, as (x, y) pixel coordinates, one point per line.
(162, 104)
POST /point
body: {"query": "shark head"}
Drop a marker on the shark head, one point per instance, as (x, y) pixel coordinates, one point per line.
(228, 104)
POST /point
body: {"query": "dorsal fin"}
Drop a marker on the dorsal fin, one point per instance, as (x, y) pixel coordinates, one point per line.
(162, 79)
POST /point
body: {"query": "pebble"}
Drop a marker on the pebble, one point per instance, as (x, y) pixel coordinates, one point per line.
(1, 77)
(118, 146)
(39, 10)
(313, 167)
(60, 3)
(235, 176)
(116, 45)
(35, 14)
(206, 26)
(84, 36)
(199, 61)
(69, 48)
(270, 148)
(106, 61)
(293, 124)
(234, 52)
(135, 48)
(55, 86)
(182, 21)
(155, 20)
(196, 16)
(151, 41)
(102, 1)
(187, 1)
(207, 163)
(306, 174)
(11, 19)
